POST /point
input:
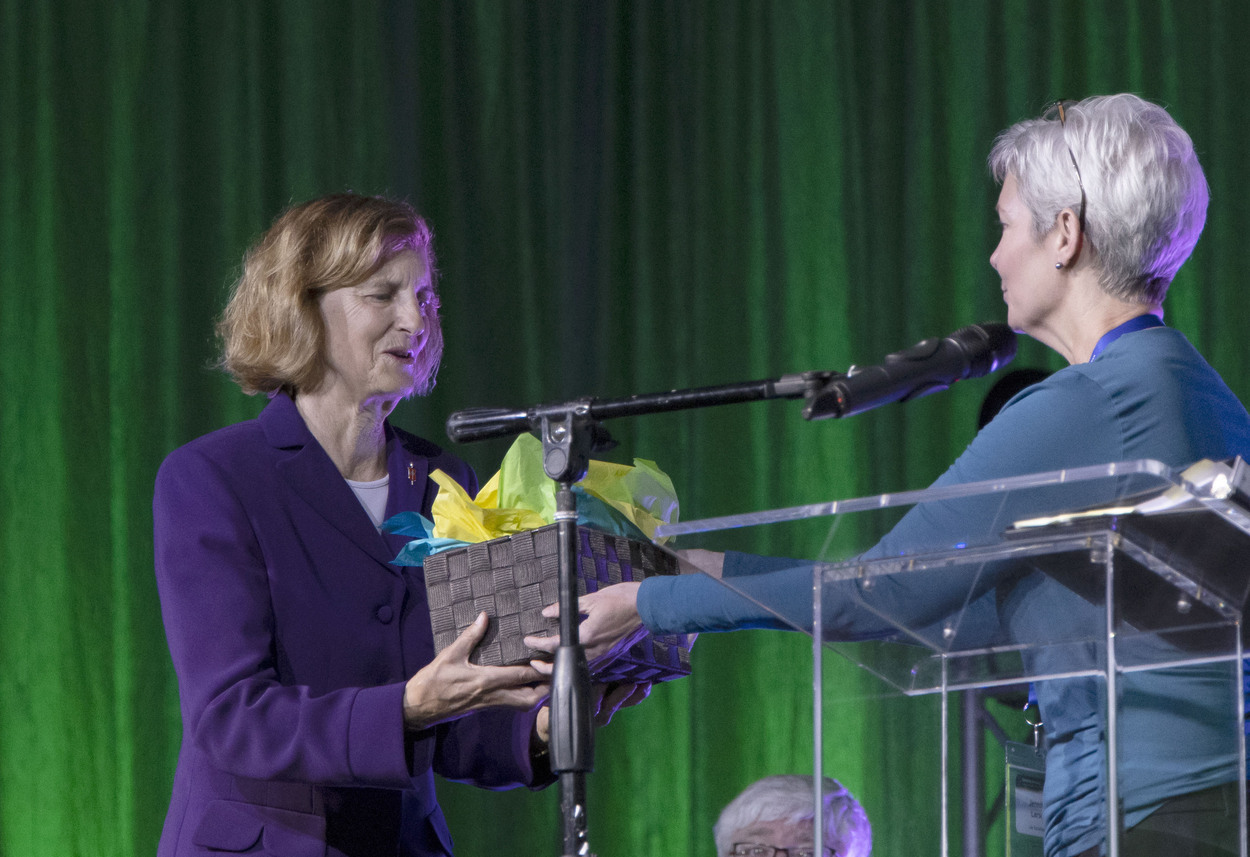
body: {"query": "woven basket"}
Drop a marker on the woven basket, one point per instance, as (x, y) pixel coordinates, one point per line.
(515, 577)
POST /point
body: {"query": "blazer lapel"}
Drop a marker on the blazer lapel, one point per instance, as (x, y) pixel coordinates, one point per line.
(408, 485)
(313, 477)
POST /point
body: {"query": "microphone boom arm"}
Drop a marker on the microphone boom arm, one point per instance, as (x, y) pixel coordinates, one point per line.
(473, 424)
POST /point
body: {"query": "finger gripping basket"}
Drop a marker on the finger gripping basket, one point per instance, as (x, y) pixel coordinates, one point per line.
(515, 577)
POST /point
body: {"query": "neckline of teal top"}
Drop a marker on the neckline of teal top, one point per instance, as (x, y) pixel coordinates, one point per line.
(1141, 322)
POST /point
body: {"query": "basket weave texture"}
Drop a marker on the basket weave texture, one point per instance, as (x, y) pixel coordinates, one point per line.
(515, 577)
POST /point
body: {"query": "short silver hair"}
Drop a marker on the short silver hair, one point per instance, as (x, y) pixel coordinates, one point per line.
(1145, 193)
(788, 798)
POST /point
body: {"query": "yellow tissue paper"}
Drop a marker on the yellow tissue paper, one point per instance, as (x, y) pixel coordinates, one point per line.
(522, 497)
(457, 516)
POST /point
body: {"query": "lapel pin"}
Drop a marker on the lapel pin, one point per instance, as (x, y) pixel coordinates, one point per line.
(412, 473)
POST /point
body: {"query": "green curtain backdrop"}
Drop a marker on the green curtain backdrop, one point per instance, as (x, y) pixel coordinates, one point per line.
(627, 197)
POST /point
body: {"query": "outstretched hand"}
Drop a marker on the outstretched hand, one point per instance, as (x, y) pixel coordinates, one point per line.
(611, 625)
(449, 686)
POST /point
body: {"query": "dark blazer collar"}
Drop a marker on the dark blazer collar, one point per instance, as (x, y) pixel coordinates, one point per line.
(310, 473)
(282, 424)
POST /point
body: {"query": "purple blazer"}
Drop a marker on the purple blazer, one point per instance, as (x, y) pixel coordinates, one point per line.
(292, 637)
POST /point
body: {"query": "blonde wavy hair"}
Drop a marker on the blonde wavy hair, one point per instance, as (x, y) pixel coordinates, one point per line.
(271, 331)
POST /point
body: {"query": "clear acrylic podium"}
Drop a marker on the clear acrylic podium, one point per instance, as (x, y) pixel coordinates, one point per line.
(1131, 577)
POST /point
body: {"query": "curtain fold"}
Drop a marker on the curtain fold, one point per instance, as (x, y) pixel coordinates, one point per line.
(627, 197)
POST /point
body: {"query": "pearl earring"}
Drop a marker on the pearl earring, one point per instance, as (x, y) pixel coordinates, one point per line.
(1058, 265)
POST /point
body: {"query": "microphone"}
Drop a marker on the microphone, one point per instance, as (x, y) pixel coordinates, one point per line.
(927, 367)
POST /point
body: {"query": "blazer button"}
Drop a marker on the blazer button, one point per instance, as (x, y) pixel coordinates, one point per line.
(385, 614)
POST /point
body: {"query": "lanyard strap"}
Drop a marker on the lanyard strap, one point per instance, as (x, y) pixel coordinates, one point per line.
(1140, 323)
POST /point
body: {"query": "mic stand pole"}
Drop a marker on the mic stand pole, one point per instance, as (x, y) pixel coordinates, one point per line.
(568, 435)
(572, 738)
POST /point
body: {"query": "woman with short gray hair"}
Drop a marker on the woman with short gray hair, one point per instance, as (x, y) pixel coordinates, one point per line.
(1102, 202)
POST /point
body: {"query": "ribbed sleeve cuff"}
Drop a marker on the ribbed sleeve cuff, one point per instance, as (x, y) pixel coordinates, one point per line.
(682, 604)
(693, 603)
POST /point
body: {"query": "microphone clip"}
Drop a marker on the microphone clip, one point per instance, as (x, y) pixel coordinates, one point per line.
(569, 434)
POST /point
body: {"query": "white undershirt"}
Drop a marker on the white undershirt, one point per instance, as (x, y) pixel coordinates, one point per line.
(372, 495)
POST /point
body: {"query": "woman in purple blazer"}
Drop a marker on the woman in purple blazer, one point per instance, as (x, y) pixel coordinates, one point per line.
(314, 710)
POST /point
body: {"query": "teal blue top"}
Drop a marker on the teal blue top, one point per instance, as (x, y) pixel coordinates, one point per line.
(1149, 394)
